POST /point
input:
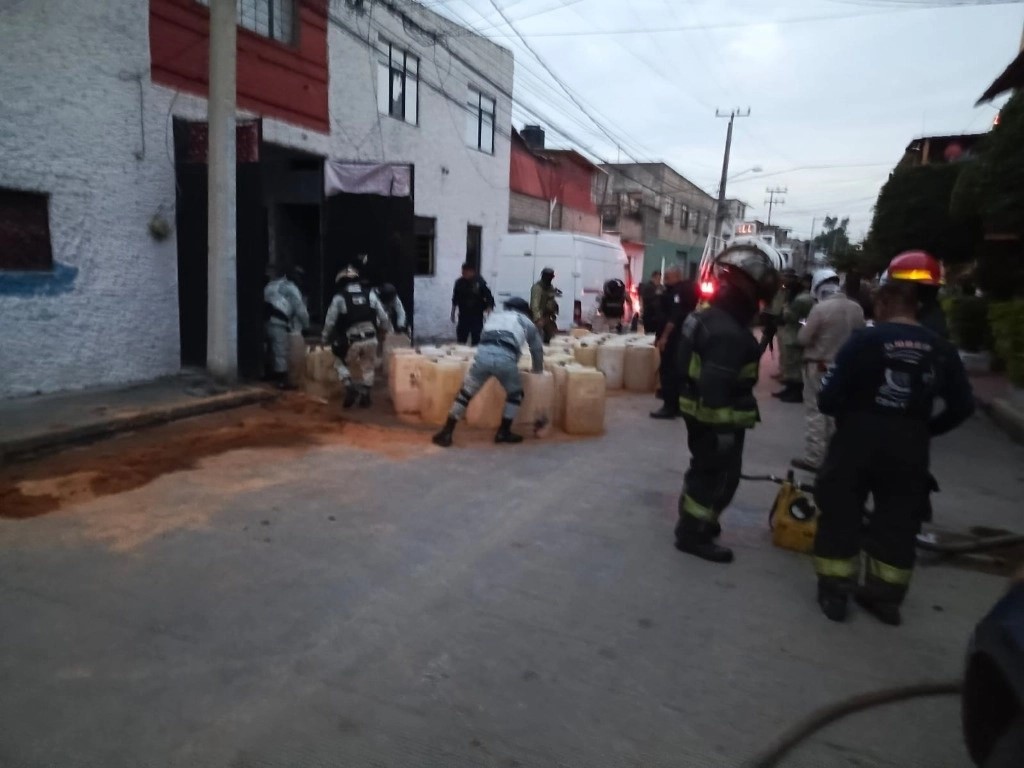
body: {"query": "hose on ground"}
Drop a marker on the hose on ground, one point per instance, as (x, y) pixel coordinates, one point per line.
(837, 711)
(970, 547)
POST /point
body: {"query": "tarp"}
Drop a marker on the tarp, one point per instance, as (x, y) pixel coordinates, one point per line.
(382, 179)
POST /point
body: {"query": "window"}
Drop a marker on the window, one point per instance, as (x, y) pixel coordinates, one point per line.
(269, 18)
(480, 121)
(397, 83)
(668, 209)
(474, 244)
(25, 231)
(706, 227)
(425, 239)
(684, 216)
(696, 221)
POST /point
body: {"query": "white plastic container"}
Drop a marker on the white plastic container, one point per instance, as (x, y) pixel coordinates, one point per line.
(560, 377)
(579, 333)
(611, 361)
(584, 401)
(404, 382)
(641, 372)
(538, 400)
(586, 354)
(440, 381)
(486, 408)
(392, 342)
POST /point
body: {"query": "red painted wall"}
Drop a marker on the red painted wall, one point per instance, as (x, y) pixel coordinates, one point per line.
(547, 175)
(274, 79)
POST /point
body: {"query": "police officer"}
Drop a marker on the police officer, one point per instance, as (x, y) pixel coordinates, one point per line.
(678, 301)
(285, 312)
(544, 304)
(718, 360)
(351, 327)
(881, 391)
(472, 299)
(501, 344)
(650, 303)
(797, 308)
(393, 307)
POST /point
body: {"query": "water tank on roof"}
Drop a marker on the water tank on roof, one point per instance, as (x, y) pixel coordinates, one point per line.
(533, 135)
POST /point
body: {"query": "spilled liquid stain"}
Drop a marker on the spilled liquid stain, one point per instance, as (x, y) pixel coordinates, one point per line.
(136, 460)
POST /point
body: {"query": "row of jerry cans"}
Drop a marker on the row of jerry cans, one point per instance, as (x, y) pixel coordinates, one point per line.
(568, 397)
(629, 363)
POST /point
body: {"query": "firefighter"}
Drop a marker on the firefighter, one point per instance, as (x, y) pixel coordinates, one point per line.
(794, 314)
(924, 271)
(351, 327)
(718, 361)
(834, 317)
(881, 391)
(544, 304)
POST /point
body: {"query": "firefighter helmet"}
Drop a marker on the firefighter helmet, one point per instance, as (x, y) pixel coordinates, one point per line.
(758, 262)
(915, 267)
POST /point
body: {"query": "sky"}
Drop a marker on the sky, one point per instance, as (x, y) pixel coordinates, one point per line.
(840, 83)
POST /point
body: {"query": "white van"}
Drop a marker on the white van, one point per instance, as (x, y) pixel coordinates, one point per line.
(582, 265)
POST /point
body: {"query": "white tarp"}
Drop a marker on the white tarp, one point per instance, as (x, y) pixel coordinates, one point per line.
(367, 179)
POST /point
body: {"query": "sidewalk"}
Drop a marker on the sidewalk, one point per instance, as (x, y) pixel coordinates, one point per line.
(1003, 403)
(34, 425)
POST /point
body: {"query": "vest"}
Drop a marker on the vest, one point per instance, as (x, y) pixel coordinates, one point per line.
(357, 308)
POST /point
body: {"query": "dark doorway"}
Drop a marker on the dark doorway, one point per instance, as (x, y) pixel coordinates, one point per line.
(296, 242)
(474, 245)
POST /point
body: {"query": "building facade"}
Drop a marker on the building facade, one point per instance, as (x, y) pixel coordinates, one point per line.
(654, 206)
(102, 171)
(551, 189)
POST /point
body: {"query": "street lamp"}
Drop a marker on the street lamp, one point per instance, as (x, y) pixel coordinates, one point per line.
(755, 169)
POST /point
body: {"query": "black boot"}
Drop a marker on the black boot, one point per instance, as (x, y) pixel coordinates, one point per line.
(365, 401)
(444, 437)
(664, 414)
(834, 602)
(794, 394)
(351, 395)
(505, 433)
(885, 611)
(697, 537)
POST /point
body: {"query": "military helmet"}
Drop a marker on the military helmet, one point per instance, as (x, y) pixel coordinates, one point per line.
(348, 273)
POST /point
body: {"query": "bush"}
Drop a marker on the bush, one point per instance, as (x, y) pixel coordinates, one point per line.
(968, 318)
(1007, 320)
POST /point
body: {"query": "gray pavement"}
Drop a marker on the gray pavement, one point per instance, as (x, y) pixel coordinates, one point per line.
(483, 606)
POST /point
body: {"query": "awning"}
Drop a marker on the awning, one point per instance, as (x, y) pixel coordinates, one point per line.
(384, 179)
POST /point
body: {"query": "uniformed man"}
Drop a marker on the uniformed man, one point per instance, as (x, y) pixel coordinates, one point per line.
(650, 303)
(351, 327)
(833, 319)
(881, 391)
(501, 344)
(286, 312)
(393, 307)
(544, 304)
(797, 308)
(472, 299)
(678, 301)
(718, 360)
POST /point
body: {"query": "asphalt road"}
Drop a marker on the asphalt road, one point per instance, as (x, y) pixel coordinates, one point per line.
(485, 606)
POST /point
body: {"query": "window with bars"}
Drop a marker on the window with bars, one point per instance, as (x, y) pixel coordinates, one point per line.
(25, 231)
(274, 19)
(668, 209)
(480, 121)
(397, 83)
(426, 237)
(684, 217)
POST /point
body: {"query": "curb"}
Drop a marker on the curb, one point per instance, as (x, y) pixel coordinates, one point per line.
(56, 440)
(1004, 416)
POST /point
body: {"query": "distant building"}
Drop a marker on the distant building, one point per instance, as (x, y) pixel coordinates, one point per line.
(735, 212)
(551, 188)
(654, 207)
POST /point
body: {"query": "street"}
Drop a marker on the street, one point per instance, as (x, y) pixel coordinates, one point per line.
(367, 599)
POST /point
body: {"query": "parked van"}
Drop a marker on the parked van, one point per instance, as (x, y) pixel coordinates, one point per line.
(582, 265)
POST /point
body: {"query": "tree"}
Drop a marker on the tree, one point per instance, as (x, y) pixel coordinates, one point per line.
(833, 239)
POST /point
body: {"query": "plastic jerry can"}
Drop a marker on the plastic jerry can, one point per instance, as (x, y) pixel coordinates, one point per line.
(611, 361)
(584, 401)
(392, 342)
(485, 409)
(404, 381)
(586, 354)
(536, 412)
(440, 381)
(641, 368)
(433, 353)
(560, 377)
(579, 333)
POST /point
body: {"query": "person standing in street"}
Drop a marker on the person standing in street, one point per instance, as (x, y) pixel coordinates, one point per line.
(678, 301)
(924, 272)
(718, 363)
(351, 326)
(833, 319)
(393, 307)
(544, 304)
(650, 303)
(882, 392)
(794, 314)
(285, 312)
(501, 344)
(472, 299)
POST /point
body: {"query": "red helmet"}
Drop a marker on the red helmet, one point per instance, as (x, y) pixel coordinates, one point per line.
(916, 267)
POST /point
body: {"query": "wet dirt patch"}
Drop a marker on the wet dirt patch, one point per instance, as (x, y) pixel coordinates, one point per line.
(135, 460)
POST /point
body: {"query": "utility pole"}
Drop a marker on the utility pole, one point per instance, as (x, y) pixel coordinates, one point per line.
(720, 212)
(771, 202)
(222, 301)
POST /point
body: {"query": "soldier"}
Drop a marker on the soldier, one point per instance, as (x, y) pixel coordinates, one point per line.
(798, 307)
(285, 312)
(351, 327)
(544, 304)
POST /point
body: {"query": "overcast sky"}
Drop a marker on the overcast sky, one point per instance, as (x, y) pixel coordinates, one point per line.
(849, 91)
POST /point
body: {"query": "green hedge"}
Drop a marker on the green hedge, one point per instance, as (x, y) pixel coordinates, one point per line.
(968, 318)
(1007, 318)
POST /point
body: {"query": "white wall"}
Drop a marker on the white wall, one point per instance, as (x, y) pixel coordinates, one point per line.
(455, 184)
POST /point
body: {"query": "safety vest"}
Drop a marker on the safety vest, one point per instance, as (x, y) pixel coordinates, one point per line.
(358, 309)
(720, 367)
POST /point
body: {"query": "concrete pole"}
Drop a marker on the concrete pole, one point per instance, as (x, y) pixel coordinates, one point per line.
(222, 304)
(720, 212)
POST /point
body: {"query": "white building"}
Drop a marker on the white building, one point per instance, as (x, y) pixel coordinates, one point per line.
(102, 209)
